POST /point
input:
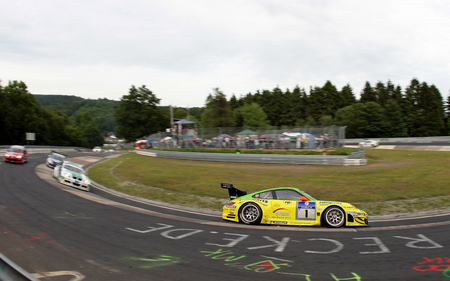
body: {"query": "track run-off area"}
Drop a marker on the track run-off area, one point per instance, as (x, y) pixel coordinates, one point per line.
(58, 233)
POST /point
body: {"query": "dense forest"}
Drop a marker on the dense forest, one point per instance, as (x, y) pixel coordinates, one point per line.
(382, 110)
(20, 113)
(101, 110)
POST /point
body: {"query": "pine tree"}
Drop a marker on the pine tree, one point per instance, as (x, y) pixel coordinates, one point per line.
(332, 99)
(381, 93)
(346, 96)
(368, 94)
(137, 114)
(217, 111)
(393, 113)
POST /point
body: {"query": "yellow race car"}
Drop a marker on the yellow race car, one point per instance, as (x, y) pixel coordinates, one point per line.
(288, 206)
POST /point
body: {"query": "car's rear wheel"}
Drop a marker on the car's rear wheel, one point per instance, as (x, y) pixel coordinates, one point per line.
(250, 213)
(334, 217)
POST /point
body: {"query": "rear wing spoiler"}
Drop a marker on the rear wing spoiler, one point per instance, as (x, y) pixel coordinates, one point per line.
(232, 191)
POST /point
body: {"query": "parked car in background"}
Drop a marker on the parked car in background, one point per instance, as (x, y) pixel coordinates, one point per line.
(97, 149)
(16, 154)
(55, 159)
(73, 175)
(369, 143)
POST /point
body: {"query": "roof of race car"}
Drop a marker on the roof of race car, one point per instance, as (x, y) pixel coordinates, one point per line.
(65, 162)
(18, 147)
(280, 188)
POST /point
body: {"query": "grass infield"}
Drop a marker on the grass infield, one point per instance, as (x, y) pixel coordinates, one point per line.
(394, 181)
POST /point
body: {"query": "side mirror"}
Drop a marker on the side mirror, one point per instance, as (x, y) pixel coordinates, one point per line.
(303, 199)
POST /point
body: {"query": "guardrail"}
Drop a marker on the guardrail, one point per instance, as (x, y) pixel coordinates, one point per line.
(411, 140)
(11, 271)
(357, 158)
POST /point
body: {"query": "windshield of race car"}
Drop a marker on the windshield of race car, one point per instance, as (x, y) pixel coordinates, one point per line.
(284, 194)
(307, 195)
(74, 169)
(58, 157)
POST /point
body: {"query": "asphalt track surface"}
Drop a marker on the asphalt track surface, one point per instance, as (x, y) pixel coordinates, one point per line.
(61, 233)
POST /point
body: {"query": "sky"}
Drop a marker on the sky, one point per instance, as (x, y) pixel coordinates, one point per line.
(182, 50)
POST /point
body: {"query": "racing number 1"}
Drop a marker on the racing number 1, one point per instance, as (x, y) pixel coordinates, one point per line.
(306, 210)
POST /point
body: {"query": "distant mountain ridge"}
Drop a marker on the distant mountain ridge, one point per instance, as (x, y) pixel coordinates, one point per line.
(101, 110)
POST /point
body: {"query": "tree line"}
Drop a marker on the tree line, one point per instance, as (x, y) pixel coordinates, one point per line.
(383, 110)
(20, 113)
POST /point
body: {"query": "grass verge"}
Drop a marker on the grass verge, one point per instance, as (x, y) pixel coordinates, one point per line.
(394, 181)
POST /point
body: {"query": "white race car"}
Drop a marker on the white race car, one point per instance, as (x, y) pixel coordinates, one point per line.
(97, 149)
(368, 143)
(55, 159)
(73, 175)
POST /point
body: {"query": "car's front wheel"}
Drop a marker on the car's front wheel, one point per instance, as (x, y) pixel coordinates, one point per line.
(250, 213)
(334, 217)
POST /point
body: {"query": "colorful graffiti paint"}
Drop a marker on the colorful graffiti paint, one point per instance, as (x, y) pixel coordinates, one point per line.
(154, 261)
(25, 236)
(436, 264)
(264, 266)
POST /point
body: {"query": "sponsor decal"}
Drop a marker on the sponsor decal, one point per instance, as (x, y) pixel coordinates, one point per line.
(330, 203)
(281, 212)
(278, 222)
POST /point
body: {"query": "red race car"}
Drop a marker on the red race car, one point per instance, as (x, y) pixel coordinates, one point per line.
(16, 154)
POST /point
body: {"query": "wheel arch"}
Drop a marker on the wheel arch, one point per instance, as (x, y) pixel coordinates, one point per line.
(261, 207)
(322, 216)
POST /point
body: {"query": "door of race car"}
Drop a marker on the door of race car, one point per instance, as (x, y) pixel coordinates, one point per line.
(288, 207)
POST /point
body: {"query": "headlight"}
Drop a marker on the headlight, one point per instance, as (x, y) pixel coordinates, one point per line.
(19, 156)
(66, 175)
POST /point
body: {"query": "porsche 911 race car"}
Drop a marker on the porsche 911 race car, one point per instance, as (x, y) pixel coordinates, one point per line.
(289, 206)
(72, 174)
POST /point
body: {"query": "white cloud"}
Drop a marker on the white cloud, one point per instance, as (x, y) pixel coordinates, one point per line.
(181, 50)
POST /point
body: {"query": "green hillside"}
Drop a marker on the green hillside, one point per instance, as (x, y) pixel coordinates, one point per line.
(101, 110)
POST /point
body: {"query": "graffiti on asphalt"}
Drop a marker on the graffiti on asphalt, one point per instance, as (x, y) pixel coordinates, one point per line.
(263, 266)
(4, 210)
(79, 216)
(436, 264)
(24, 236)
(154, 261)
(372, 245)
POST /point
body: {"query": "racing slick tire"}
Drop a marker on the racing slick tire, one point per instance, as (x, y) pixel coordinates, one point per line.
(334, 217)
(250, 213)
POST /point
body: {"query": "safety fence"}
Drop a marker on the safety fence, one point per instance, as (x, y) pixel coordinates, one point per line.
(250, 137)
(408, 140)
(357, 158)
